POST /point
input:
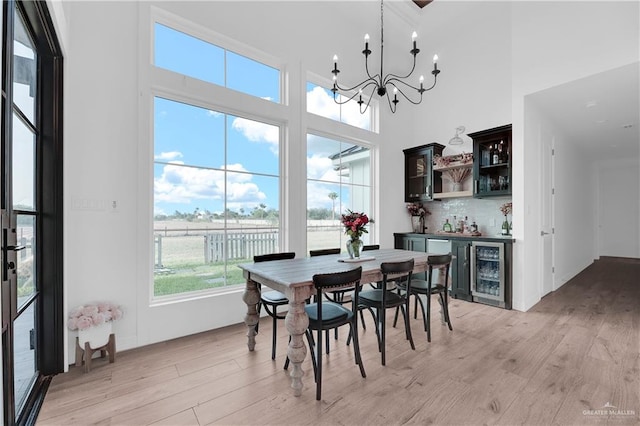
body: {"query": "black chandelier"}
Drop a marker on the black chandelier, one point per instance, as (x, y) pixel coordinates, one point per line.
(380, 82)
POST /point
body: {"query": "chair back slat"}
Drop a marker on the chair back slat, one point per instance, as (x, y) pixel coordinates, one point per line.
(371, 247)
(273, 256)
(338, 280)
(323, 252)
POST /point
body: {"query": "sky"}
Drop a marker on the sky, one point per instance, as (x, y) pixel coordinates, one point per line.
(191, 169)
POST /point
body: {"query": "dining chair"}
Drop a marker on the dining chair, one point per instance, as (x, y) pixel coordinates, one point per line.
(325, 315)
(427, 288)
(272, 299)
(332, 296)
(380, 299)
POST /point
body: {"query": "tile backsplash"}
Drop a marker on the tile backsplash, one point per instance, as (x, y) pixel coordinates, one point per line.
(485, 212)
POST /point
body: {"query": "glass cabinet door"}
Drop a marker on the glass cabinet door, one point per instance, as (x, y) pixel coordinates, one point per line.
(488, 270)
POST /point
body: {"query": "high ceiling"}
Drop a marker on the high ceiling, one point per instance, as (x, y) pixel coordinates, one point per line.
(599, 114)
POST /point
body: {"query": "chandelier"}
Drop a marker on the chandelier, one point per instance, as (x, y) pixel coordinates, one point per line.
(381, 83)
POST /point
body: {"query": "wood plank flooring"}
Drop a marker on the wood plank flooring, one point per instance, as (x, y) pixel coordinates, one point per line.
(565, 362)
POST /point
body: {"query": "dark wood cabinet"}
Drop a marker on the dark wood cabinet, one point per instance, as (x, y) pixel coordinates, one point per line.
(492, 162)
(420, 180)
(460, 269)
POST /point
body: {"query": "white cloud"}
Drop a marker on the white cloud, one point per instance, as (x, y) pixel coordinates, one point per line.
(213, 113)
(320, 102)
(256, 131)
(321, 167)
(185, 185)
(168, 156)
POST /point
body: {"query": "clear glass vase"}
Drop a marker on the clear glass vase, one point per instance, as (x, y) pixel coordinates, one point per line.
(354, 248)
(417, 223)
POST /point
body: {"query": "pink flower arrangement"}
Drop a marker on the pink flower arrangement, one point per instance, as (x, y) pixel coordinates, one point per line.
(506, 208)
(354, 224)
(417, 209)
(87, 316)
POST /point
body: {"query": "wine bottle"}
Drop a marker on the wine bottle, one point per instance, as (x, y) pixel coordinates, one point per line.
(501, 152)
(496, 156)
(505, 226)
(447, 226)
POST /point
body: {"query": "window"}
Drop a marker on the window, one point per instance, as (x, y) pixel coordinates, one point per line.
(188, 55)
(338, 178)
(320, 102)
(216, 196)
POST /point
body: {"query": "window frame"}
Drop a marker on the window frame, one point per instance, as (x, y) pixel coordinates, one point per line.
(181, 88)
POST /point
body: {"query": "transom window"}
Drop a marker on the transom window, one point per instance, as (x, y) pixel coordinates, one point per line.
(320, 102)
(188, 55)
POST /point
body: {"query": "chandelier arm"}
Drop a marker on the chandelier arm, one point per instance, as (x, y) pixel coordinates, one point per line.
(364, 83)
(390, 76)
(392, 105)
(356, 92)
(362, 111)
(407, 97)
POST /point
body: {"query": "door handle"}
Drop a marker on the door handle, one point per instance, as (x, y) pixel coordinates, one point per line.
(16, 248)
(542, 233)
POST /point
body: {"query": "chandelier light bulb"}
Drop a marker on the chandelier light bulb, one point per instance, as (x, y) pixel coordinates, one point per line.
(335, 58)
(366, 37)
(414, 35)
(435, 58)
(421, 79)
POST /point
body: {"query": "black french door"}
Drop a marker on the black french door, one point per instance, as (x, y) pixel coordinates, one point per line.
(31, 208)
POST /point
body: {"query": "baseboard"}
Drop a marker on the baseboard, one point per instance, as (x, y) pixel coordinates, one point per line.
(634, 260)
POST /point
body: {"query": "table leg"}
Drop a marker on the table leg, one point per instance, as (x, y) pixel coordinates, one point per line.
(251, 297)
(296, 322)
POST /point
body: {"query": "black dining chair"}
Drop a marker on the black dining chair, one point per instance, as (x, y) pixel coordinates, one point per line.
(272, 299)
(427, 288)
(332, 296)
(325, 315)
(380, 299)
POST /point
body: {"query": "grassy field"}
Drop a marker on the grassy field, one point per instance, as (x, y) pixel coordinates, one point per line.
(182, 266)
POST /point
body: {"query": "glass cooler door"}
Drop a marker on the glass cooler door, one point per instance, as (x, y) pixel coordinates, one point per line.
(487, 271)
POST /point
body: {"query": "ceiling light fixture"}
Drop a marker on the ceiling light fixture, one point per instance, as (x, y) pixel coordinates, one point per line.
(382, 83)
(457, 140)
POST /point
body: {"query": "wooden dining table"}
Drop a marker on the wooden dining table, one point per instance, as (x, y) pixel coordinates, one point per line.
(294, 278)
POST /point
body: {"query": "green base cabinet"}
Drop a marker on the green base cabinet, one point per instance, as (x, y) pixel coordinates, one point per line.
(460, 269)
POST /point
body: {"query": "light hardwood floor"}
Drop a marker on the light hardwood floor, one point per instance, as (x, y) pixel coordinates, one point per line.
(564, 362)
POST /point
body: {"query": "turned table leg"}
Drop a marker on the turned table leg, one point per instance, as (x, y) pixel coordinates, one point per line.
(296, 322)
(251, 297)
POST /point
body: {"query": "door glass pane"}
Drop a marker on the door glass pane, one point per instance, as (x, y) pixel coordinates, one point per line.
(23, 166)
(24, 354)
(26, 260)
(24, 70)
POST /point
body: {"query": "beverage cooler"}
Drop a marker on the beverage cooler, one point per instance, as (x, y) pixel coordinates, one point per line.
(488, 275)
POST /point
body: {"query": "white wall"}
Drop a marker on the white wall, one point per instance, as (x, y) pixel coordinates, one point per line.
(554, 43)
(107, 131)
(575, 209)
(492, 55)
(618, 208)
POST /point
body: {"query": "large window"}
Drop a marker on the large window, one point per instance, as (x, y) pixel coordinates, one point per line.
(216, 196)
(338, 179)
(216, 176)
